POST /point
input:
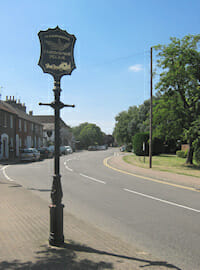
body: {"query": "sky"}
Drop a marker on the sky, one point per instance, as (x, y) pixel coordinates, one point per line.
(112, 52)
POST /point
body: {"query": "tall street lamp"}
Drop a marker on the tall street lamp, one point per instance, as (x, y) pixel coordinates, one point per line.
(57, 59)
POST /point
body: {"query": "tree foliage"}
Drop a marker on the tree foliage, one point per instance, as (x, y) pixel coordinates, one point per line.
(88, 134)
(179, 86)
(130, 122)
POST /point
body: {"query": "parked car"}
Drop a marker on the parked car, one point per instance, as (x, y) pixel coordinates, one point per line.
(63, 150)
(102, 147)
(51, 148)
(45, 152)
(123, 148)
(29, 154)
(97, 147)
(92, 148)
(68, 149)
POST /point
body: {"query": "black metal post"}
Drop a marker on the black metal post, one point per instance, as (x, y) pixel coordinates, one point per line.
(56, 208)
(56, 237)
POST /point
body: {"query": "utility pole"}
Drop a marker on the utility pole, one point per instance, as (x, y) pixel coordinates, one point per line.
(151, 114)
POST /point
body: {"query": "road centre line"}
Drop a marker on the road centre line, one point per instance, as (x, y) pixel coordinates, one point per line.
(105, 162)
(160, 200)
(91, 178)
(5, 175)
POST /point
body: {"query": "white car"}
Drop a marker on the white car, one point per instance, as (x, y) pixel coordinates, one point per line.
(29, 154)
(68, 149)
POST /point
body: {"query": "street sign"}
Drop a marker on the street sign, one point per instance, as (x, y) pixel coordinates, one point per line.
(57, 59)
(57, 52)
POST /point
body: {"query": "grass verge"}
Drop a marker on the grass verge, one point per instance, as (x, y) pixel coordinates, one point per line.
(168, 163)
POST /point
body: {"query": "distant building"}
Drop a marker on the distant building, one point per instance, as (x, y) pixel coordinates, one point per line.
(17, 129)
(48, 121)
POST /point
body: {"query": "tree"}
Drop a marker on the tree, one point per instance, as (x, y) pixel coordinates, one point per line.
(88, 134)
(179, 84)
(121, 133)
(130, 122)
(168, 118)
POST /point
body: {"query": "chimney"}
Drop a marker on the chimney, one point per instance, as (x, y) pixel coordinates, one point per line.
(31, 113)
(23, 107)
(16, 104)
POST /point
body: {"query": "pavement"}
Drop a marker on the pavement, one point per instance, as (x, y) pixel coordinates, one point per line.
(24, 232)
(116, 162)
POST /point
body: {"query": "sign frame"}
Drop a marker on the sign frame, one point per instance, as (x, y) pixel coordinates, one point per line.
(57, 52)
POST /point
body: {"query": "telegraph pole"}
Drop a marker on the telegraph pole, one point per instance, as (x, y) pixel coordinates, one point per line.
(151, 114)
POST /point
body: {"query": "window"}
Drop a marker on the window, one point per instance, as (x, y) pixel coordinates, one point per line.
(5, 120)
(20, 124)
(11, 121)
(25, 126)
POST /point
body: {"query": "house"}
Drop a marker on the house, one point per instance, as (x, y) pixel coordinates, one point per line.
(48, 122)
(18, 129)
(7, 131)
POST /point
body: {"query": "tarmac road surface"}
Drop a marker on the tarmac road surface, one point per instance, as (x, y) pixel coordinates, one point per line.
(163, 220)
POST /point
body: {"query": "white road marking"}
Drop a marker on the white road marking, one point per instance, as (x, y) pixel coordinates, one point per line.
(68, 168)
(164, 201)
(91, 178)
(5, 175)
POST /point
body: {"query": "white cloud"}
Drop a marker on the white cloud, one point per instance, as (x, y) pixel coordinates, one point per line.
(136, 68)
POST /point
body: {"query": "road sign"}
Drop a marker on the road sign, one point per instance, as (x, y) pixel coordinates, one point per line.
(57, 52)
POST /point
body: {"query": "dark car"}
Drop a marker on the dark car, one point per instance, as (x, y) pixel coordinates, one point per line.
(45, 153)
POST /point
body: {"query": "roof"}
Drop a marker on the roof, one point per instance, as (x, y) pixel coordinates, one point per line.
(4, 108)
(49, 119)
(20, 113)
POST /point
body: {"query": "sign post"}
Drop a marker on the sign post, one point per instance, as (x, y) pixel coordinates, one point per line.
(57, 59)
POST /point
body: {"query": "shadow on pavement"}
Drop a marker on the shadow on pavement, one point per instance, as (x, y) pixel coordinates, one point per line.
(67, 257)
(41, 190)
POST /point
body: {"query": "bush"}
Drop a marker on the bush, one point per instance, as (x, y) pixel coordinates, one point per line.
(181, 154)
(157, 146)
(137, 141)
(170, 147)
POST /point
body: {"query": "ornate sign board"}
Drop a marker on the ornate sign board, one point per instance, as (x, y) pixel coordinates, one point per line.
(57, 52)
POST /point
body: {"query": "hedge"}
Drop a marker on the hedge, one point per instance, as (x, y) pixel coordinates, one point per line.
(181, 153)
(140, 138)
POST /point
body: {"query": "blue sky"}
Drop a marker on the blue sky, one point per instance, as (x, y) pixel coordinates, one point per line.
(112, 52)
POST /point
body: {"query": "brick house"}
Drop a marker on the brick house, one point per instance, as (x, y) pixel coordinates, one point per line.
(7, 132)
(22, 129)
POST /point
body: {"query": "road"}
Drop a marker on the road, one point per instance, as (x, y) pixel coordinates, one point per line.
(160, 219)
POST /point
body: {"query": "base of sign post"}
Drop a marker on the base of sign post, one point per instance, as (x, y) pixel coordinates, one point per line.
(56, 237)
